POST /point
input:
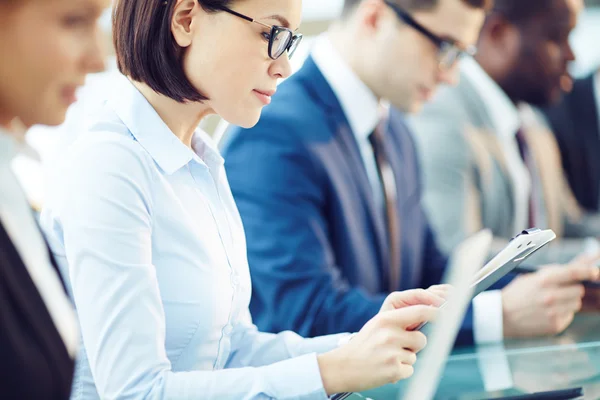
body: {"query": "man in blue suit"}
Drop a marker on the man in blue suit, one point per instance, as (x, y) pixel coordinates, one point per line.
(327, 183)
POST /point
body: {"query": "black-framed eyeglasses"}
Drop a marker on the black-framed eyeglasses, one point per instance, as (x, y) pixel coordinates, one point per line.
(281, 39)
(449, 51)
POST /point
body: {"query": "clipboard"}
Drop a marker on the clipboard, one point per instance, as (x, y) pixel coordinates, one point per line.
(518, 250)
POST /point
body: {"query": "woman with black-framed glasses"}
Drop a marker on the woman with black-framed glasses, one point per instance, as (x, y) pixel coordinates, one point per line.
(144, 225)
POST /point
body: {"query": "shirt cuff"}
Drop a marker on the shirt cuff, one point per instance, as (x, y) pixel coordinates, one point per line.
(322, 344)
(591, 246)
(344, 340)
(296, 378)
(487, 317)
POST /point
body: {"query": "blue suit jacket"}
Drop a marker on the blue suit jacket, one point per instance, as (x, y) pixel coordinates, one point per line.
(316, 239)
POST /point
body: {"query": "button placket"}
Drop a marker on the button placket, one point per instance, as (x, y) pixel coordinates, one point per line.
(224, 342)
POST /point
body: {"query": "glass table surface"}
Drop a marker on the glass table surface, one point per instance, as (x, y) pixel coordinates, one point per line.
(569, 360)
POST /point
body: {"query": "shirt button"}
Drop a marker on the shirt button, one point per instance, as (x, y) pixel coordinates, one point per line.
(235, 280)
(228, 330)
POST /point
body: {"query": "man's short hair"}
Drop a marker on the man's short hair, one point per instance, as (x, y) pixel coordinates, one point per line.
(520, 11)
(146, 49)
(419, 5)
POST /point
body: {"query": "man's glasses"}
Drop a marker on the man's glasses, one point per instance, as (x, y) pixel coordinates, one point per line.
(449, 51)
(281, 39)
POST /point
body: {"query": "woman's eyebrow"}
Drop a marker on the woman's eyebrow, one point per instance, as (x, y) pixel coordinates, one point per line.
(282, 20)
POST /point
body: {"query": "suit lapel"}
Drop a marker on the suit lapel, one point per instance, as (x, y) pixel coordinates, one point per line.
(354, 162)
(482, 132)
(49, 250)
(30, 304)
(344, 137)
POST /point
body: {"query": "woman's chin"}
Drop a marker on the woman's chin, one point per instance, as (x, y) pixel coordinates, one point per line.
(246, 120)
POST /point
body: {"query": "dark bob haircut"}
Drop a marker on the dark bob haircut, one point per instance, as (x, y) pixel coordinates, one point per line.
(146, 49)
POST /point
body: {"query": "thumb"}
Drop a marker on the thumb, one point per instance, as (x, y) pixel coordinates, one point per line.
(413, 315)
(412, 298)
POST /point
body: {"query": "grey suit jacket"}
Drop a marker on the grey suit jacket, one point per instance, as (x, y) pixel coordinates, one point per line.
(466, 184)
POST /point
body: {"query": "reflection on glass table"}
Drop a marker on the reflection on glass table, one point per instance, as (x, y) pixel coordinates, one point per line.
(518, 367)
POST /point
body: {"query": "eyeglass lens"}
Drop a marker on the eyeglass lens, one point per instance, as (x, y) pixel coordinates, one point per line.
(279, 42)
(449, 55)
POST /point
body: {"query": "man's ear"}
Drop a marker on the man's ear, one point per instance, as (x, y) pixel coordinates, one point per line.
(182, 21)
(501, 33)
(371, 13)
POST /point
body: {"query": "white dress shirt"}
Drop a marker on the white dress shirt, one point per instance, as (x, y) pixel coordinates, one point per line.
(362, 109)
(19, 222)
(149, 236)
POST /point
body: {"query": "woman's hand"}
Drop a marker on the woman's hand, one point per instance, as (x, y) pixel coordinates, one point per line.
(434, 296)
(385, 349)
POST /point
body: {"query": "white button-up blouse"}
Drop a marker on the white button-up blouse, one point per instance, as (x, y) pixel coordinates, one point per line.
(152, 247)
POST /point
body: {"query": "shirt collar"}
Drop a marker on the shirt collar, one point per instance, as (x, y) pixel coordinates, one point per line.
(154, 135)
(358, 102)
(503, 113)
(10, 147)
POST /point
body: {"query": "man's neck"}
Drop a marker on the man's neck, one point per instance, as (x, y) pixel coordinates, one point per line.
(343, 41)
(4, 121)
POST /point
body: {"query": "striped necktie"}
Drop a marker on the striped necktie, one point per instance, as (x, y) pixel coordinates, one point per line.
(388, 183)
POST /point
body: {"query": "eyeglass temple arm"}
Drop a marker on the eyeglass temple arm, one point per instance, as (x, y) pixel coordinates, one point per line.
(237, 14)
(242, 16)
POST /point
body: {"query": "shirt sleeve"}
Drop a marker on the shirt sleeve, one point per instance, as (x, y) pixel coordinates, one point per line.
(253, 348)
(103, 207)
(487, 317)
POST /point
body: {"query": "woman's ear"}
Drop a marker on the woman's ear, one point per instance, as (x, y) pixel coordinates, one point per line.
(181, 23)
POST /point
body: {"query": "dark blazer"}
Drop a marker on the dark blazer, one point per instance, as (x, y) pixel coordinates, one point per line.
(34, 362)
(316, 239)
(574, 122)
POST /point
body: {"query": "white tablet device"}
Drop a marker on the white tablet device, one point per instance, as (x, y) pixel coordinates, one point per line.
(424, 384)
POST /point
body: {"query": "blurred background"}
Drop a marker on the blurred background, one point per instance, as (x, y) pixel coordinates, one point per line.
(316, 18)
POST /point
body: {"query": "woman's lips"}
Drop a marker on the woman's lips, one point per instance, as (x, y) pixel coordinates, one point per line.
(264, 96)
